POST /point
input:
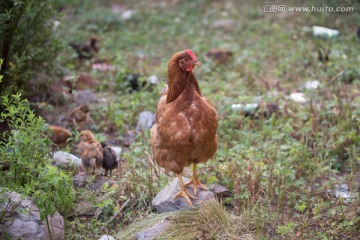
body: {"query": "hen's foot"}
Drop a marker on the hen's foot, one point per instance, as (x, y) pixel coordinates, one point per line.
(185, 194)
(196, 183)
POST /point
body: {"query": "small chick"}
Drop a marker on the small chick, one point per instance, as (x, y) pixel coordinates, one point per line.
(85, 50)
(59, 135)
(91, 152)
(80, 116)
(109, 160)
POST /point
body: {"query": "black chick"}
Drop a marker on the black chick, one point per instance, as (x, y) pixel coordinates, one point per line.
(133, 82)
(85, 50)
(109, 160)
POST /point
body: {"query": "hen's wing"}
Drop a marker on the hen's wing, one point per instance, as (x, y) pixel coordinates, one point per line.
(181, 137)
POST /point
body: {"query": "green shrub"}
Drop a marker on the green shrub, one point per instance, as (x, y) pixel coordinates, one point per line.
(27, 153)
(29, 44)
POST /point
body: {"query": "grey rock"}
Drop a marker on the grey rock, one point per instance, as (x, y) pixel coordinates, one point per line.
(100, 181)
(219, 190)
(106, 237)
(145, 121)
(82, 180)
(342, 191)
(79, 180)
(152, 232)
(62, 158)
(86, 97)
(118, 151)
(164, 200)
(22, 220)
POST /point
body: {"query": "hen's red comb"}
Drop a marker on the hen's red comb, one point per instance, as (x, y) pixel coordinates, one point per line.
(192, 55)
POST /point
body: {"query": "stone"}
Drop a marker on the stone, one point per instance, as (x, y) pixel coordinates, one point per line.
(219, 190)
(22, 220)
(106, 237)
(164, 200)
(128, 139)
(84, 97)
(118, 151)
(79, 180)
(145, 121)
(65, 159)
(342, 191)
(152, 232)
(100, 182)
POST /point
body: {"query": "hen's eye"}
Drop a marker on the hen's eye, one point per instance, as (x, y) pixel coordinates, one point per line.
(186, 59)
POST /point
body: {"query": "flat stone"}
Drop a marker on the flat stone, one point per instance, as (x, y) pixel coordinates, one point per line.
(164, 200)
(152, 232)
(65, 159)
(79, 180)
(84, 97)
(219, 190)
(100, 182)
(106, 237)
(145, 121)
(118, 151)
(22, 220)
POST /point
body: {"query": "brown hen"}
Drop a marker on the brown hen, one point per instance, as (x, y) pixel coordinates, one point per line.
(91, 151)
(186, 123)
(59, 135)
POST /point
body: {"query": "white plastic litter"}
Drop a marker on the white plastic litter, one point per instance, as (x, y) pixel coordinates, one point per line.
(309, 85)
(298, 97)
(153, 79)
(324, 32)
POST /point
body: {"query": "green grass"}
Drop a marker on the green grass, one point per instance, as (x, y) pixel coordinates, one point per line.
(278, 169)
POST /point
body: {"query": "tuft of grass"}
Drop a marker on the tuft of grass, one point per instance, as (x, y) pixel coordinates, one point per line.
(210, 221)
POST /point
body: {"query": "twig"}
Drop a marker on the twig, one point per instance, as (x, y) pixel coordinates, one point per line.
(151, 161)
(338, 75)
(117, 214)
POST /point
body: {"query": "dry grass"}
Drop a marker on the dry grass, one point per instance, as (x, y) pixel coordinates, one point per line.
(210, 221)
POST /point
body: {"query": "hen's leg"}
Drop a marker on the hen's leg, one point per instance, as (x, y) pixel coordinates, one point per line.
(195, 181)
(183, 192)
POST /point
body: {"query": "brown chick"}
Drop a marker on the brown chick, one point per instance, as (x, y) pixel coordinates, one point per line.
(186, 123)
(59, 135)
(91, 151)
(109, 160)
(80, 116)
(86, 50)
(219, 55)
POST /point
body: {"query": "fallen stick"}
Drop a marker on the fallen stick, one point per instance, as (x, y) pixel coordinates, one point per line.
(117, 214)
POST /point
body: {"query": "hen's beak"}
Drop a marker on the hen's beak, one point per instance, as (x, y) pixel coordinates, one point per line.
(197, 63)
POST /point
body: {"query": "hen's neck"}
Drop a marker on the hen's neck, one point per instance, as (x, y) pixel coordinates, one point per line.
(179, 81)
